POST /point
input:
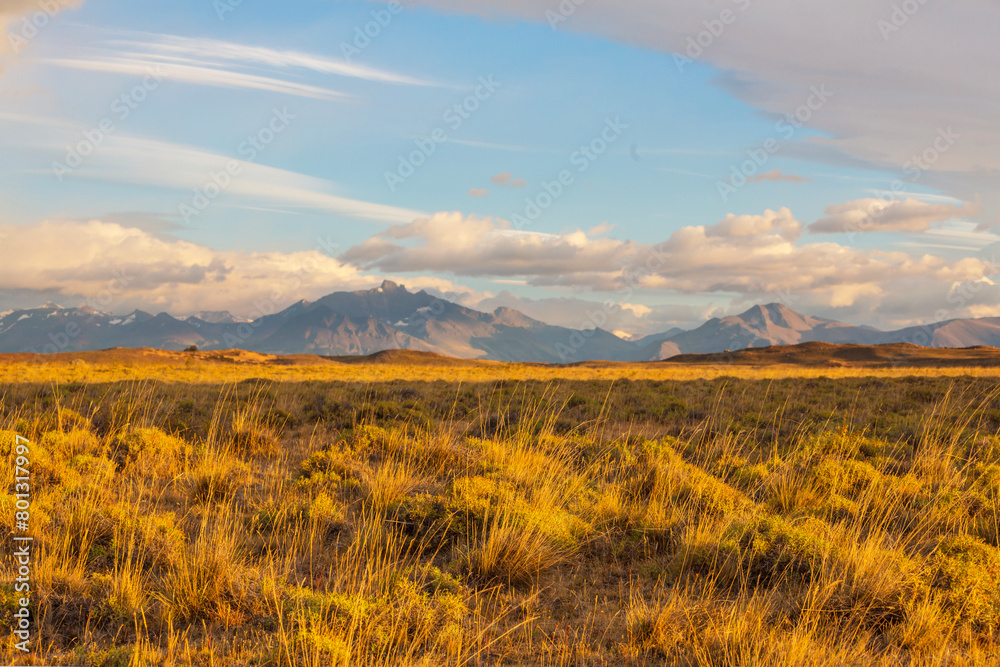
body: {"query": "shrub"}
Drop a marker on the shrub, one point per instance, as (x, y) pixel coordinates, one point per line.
(150, 452)
(508, 551)
(66, 445)
(328, 515)
(966, 571)
(218, 477)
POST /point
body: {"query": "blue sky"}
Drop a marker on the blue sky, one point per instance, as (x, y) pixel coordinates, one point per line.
(817, 229)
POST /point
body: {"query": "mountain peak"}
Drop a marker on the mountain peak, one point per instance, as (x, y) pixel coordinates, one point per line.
(513, 318)
(389, 286)
(216, 317)
(778, 314)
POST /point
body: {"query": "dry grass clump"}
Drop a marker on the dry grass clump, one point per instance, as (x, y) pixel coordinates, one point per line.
(209, 579)
(217, 477)
(505, 550)
(149, 452)
(640, 523)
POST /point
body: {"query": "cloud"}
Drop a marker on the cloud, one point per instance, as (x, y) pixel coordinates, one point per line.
(507, 180)
(13, 10)
(172, 48)
(80, 260)
(471, 246)
(203, 76)
(879, 215)
(135, 160)
(479, 193)
(780, 222)
(755, 256)
(220, 64)
(777, 175)
(572, 312)
(893, 97)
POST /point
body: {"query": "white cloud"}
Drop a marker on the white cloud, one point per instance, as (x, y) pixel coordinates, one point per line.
(755, 259)
(220, 64)
(759, 256)
(204, 76)
(471, 246)
(779, 222)
(172, 48)
(754, 256)
(880, 215)
(81, 260)
(573, 312)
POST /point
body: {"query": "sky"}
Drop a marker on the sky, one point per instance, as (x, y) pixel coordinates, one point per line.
(629, 164)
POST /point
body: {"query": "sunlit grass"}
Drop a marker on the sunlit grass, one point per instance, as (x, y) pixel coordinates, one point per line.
(207, 371)
(282, 524)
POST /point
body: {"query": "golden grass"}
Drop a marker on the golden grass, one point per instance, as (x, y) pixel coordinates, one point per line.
(210, 372)
(266, 534)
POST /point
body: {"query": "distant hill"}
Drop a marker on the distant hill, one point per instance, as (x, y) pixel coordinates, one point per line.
(832, 355)
(390, 317)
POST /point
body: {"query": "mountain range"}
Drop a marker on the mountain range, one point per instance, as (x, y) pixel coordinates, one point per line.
(391, 317)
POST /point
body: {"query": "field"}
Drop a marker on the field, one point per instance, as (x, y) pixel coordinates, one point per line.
(289, 512)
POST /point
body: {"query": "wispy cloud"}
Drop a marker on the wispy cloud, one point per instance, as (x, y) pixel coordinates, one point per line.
(125, 159)
(512, 148)
(676, 151)
(186, 49)
(777, 175)
(508, 180)
(215, 63)
(203, 76)
(686, 172)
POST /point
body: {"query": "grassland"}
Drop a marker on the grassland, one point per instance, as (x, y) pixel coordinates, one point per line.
(404, 519)
(235, 366)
